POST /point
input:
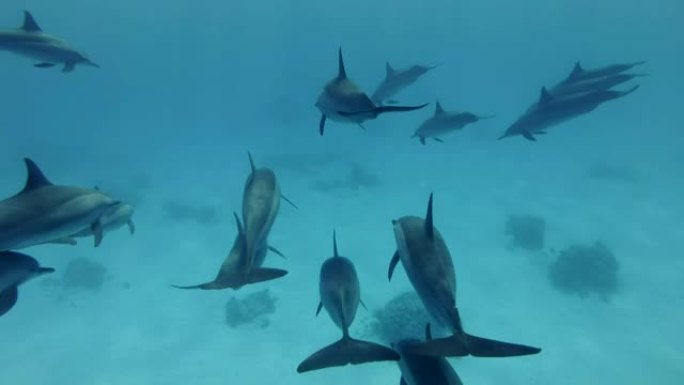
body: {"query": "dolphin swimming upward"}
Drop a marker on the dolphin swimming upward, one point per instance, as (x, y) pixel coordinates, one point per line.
(343, 101)
(47, 213)
(340, 296)
(396, 80)
(30, 41)
(15, 269)
(428, 265)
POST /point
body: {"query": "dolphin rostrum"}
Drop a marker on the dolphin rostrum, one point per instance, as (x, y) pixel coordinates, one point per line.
(428, 265)
(231, 274)
(551, 110)
(343, 101)
(340, 296)
(396, 80)
(30, 41)
(579, 74)
(44, 212)
(443, 122)
(418, 369)
(15, 269)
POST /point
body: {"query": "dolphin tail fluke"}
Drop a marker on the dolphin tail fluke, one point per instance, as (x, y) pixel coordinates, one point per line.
(441, 347)
(8, 298)
(484, 347)
(347, 351)
(261, 274)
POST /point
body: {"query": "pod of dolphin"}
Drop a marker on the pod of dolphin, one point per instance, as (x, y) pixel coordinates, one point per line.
(43, 212)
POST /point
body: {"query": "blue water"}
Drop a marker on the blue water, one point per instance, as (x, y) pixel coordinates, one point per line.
(186, 88)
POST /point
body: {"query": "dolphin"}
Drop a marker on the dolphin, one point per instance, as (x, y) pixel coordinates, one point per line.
(578, 73)
(15, 269)
(418, 369)
(428, 265)
(231, 274)
(396, 80)
(117, 216)
(340, 296)
(30, 41)
(44, 212)
(550, 111)
(343, 101)
(443, 122)
(260, 205)
(589, 85)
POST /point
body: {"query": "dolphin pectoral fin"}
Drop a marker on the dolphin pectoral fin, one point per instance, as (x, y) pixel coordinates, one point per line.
(362, 126)
(440, 347)
(131, 226)
(276, 252)
(484, 347)
(203, 286)
(44, 65)
(422, 140)
(402, 381)
(528, 135)
(63, 241)
(45, 270)
(347, 351)
(283, 197)
(261, 274)
(438, 140)
(393, 265)
(382, 109)
(363, 304)
(68, 67)
(318, 309)
(8, 298)
(321, 124)
(98, 232)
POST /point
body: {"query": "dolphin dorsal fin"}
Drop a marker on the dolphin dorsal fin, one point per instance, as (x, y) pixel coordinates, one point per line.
(241, 230)
(544, 96)
(389, 71)
(438, 109)
(341, 72)
(30, 24)
(335, 252)
(251, 161)
(576, 70)
(429, 227)
(35, 178)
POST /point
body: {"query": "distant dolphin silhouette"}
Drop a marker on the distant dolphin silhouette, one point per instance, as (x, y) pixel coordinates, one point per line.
(397, 80)
(443, 122)
(340, 296)
(550, 111)
(343, 101)
(30, 41)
